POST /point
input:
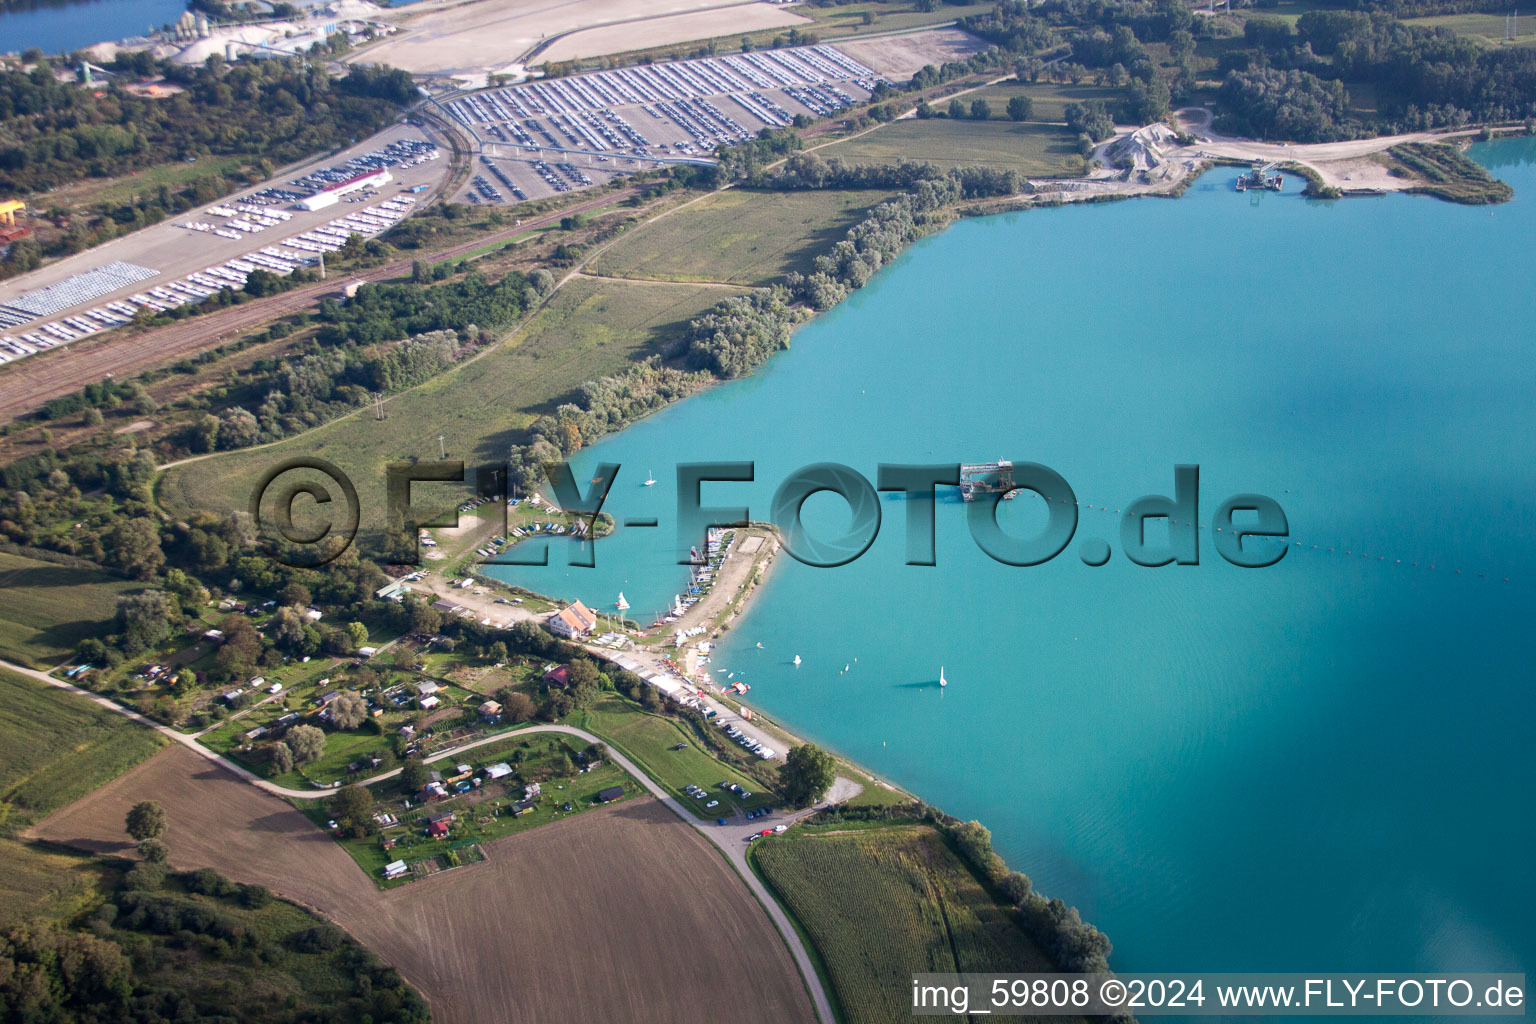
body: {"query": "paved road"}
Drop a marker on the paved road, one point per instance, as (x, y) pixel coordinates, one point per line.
(65, 370)
(729, 839)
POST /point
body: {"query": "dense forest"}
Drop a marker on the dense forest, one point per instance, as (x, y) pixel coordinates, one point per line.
(54, 132)
(1278, 81)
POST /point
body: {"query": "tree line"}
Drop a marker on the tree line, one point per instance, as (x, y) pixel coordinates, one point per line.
(1284, 82)
(144, 947)
(1074, 944)
(738, 334)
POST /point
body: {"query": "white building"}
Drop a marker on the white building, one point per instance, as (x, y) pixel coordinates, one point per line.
(577, 620)
(328, 197)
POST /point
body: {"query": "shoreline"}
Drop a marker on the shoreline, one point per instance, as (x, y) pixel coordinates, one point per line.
(1189, 169)
(726, 604)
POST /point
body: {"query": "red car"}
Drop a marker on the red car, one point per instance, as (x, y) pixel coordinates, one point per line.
(766, 832)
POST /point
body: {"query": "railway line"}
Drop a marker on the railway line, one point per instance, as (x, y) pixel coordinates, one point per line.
(29, 384)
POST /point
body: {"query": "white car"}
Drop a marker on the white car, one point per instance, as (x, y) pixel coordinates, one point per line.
(712, 803)
(781, 828)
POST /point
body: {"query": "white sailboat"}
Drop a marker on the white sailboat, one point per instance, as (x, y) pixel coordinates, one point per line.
(650, 480)
(942, 681)
(797, 661)
(621, 604)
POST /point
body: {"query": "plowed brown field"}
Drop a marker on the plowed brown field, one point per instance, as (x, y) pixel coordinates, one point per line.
(622, 914)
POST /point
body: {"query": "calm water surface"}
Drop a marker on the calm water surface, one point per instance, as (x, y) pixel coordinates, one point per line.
(80, 23)
(1323, 765)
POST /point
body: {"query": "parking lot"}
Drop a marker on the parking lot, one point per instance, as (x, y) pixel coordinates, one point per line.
(550, 136)
(187, 258)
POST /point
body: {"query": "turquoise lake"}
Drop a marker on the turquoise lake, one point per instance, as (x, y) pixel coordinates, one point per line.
(74, 24)
(1320, 765)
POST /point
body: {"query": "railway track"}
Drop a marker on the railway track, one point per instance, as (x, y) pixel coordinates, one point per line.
(31, 383)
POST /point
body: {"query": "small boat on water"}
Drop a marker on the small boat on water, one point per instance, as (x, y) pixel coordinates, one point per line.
(797, 661)
(650, 480)
(942, 681)
(621, 604)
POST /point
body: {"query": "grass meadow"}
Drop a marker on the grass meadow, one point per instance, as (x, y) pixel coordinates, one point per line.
(46, 609)
(1038, 150)
(648, 741)
(1048, 99)
(739, 237)
(882, 904)
(590, 328)
(58, 747)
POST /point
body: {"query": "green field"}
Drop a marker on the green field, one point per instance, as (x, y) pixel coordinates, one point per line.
(1039, 150)
(46, 609)
(829, 24)
(847, 20)
(113, 191)
(739, 237)
(647, 739)
(58, 747)
(41, 883)
(1487, 27)
(1049, 99)
(882, 904)
(590, 328)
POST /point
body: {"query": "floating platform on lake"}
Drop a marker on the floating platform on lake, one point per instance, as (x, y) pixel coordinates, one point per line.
(1261, 178)
(987, 478)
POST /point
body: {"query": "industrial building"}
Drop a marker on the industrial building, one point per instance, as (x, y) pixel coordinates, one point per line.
(328, 197)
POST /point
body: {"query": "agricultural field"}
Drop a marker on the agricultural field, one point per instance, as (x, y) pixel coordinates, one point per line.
(46, 609)
(739, 237)
(590, 328)
(494, 941)
(42, 883)
(880, 904)
(58, 747)
(844, 21)
(648, 740)
(1038, 150)
(1049, 99)
(1488, 28)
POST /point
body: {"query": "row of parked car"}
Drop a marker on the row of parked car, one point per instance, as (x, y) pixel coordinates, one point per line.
(756, 746)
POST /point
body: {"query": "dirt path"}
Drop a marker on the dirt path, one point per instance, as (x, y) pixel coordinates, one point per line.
(654, 281)
(577, 271)
(579, 919)
(32, 382)
(218, 771)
